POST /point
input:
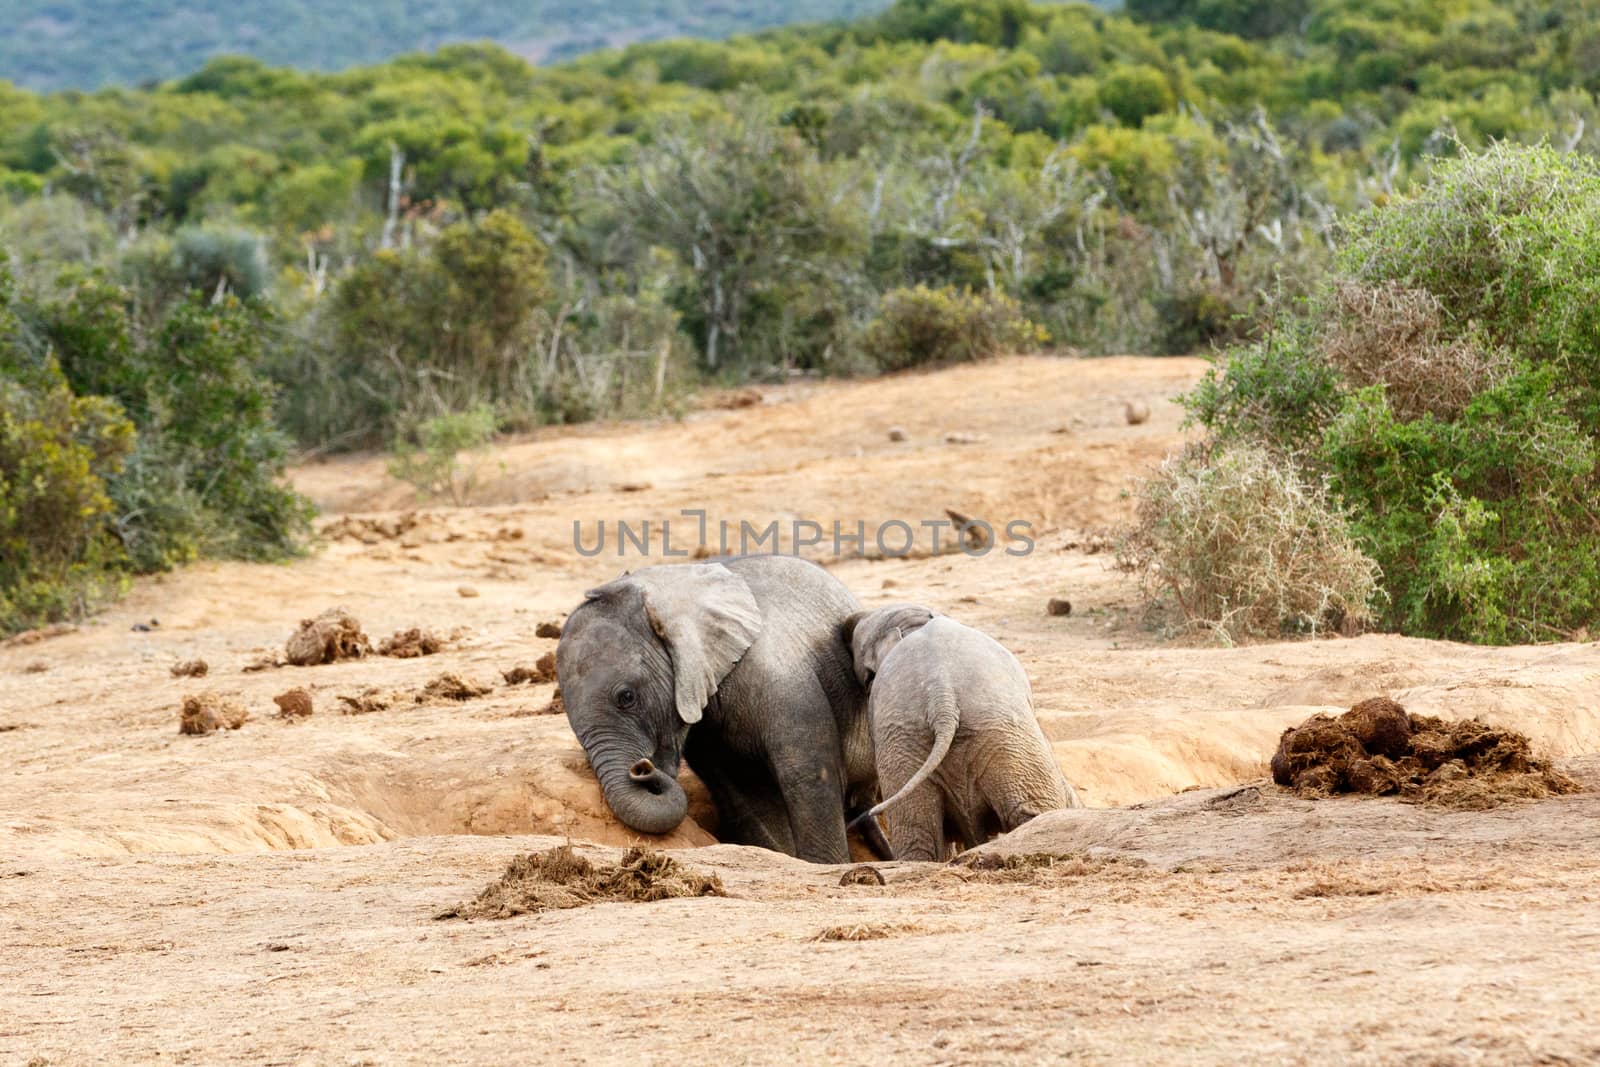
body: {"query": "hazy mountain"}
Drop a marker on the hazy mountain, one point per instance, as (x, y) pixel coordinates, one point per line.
(84, 44)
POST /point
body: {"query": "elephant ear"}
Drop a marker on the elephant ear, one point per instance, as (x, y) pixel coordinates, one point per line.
(873, 634)
(708, 619)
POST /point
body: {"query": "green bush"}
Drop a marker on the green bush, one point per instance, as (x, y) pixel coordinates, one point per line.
(56, 451)
(1278, 391)
(203, 477)
(432, 465)
(1447, 383)
(921, 326)
(1508, 242)
(409, 335)
(1484, 526)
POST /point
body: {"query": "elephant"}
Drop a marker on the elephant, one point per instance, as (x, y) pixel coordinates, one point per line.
(953, 729)
(737, 667)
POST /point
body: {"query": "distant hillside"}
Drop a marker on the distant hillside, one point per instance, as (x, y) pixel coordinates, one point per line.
(84, 44)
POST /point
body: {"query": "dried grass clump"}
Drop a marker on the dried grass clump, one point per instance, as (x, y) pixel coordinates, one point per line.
(1044, 867)
(1392, 336)
(865, 931)
(1245, 546)
(561, 878)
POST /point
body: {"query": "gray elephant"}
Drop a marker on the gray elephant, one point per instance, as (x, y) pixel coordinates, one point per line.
(739, 668)
(954, 732)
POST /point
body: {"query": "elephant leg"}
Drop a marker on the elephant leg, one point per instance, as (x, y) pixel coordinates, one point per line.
(812, 794)
(749, 809)
(807, 763)
(1019, 789)
(916, 825)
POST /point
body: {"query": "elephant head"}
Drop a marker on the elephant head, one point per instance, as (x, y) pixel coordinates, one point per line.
(871, 634)
(638, 661)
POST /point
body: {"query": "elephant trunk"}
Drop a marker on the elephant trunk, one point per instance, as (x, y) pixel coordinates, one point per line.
(643, 796)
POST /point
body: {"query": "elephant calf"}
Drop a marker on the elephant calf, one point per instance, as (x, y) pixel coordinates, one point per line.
(956, 740)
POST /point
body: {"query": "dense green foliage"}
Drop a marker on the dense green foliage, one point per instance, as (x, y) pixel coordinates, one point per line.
(83, 44)
(350, 256)
(128, 445)
(1469, 456)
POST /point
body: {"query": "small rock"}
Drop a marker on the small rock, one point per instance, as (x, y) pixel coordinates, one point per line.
(38, 666)
(897, 433)
(547, 630)
(634, 487)
(1136, 412)
(294, 704)
(190, 668)
(889, 583)
(1058, 606)
(960, 438)
(466, 591)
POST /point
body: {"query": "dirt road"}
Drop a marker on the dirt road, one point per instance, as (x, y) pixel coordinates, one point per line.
(266, 895)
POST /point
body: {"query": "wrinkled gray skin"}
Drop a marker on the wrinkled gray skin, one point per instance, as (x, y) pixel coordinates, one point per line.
(738, 667)
(959, 750)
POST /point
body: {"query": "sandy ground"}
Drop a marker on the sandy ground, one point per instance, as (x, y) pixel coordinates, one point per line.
(266, 895)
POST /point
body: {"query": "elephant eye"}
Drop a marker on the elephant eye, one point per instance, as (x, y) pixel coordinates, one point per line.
(626, 698)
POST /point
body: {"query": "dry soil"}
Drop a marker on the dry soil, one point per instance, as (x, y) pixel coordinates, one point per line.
(268, 894)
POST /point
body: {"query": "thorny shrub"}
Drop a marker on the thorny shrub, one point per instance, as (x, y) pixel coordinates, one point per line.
(1245, 545)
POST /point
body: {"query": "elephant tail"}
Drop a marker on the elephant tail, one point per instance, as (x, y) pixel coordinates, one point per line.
(946, 717)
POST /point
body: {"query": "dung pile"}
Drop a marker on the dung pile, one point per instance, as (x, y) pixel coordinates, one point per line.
(409, 644)
(451, 687)
(208, 712)
(560, 878)
(332, 636)
(1378, 748)
(294, 704)
(541, 672)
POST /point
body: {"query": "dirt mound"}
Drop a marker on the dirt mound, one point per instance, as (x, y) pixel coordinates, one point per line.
(294, 704)
(547, 629)
(1378, 748)
(409, 644)
(190, 668)
(544, 670)
(561, 878)
(208, 712)
(332, 636)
